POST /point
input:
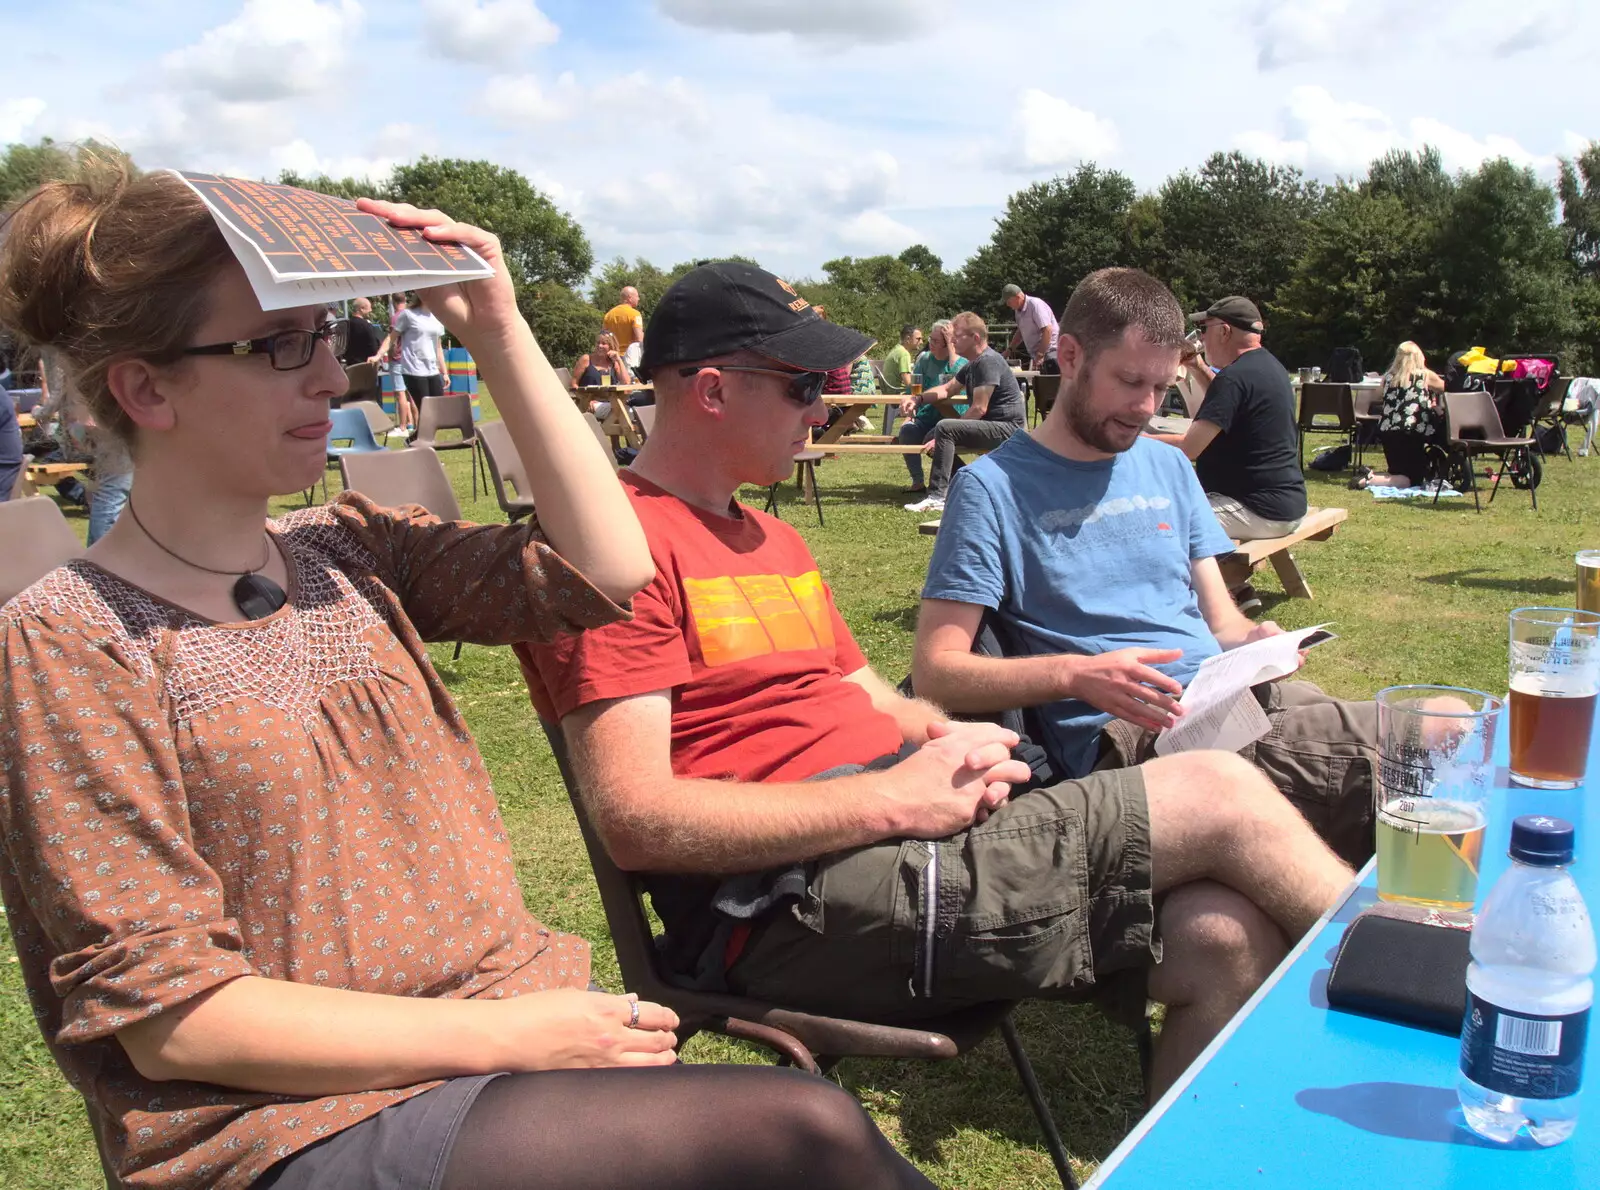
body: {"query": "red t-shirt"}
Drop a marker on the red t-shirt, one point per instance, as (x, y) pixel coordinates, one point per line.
(739, 625)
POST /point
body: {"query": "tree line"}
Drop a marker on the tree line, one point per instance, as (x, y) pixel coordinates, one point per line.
(1493, 256)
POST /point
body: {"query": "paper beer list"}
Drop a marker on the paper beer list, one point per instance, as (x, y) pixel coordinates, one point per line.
(299, 248)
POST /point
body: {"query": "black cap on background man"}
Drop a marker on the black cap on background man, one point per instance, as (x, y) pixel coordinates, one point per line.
(1236, 311)
(729, 306)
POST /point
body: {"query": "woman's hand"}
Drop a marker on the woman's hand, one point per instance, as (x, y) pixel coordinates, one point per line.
(571, 1029)
(473, 311)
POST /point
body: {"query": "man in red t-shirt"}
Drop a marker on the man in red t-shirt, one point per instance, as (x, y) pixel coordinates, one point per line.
(811, 837)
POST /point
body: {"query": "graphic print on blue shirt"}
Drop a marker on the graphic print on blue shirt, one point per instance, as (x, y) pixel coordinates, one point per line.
(1080, 558)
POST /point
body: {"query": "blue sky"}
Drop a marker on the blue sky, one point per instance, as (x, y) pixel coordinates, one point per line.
(798, 130)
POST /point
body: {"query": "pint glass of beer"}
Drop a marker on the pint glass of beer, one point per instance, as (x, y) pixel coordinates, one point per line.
(1435, 745)
(916, 391)
(1589, 581)
(1555, 674)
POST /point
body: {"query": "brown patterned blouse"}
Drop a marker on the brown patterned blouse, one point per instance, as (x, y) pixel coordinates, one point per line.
(183, 803)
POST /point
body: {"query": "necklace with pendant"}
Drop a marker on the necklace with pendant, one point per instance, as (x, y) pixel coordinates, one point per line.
(255, 595)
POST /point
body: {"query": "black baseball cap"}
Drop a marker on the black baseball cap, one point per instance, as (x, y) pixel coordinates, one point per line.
(729, 306)
(1235, 311)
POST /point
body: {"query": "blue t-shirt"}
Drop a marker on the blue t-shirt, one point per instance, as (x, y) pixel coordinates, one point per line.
(932, 370)
(1081, 558)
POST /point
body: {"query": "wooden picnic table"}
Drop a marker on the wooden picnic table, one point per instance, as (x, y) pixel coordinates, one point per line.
(855, 406)
(618, 423)
(36, 475)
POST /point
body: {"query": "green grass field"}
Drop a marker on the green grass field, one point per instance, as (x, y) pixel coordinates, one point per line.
(1418, 594)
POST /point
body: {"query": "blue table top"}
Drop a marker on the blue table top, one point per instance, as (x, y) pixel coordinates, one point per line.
(1295, 1094)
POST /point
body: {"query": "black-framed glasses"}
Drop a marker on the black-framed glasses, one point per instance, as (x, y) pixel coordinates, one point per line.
(805, 388)
(285, 350)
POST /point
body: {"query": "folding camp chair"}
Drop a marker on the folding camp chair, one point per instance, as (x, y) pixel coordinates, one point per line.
(807, 1040)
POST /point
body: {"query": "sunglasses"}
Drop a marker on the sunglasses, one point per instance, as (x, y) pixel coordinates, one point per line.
(286, 350)
(805, 388)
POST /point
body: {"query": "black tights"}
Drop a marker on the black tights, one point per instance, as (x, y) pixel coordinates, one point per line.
(665, 1128)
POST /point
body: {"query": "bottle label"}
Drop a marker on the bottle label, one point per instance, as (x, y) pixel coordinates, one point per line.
(1523, 1054)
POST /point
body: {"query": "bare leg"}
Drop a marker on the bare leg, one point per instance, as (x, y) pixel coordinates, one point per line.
(1379, 480)
(1217, 948)
(1214, 816)
(1244, 877)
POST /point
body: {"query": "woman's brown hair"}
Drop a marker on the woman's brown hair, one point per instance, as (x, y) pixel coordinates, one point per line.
(108, 267)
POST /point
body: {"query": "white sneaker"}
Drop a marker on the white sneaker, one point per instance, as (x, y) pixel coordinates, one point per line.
(927, 504)
(397, 432)
(863, 424)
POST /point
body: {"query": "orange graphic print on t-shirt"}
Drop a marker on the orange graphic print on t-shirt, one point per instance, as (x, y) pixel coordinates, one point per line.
(752, 615)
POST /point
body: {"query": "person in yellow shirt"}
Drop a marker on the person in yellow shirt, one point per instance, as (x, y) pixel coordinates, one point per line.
(625, 322)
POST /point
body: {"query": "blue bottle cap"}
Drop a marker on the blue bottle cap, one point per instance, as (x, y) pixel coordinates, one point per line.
(1542, 841)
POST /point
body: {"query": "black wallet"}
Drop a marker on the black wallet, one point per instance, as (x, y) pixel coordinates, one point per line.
(1404, 971)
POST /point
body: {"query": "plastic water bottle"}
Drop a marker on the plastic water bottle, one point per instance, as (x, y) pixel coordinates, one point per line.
(1528, 993)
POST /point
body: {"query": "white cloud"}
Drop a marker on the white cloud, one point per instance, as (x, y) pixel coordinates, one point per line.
(274, 49)
(825, 20)
(496, 32)
(1050, 133)
(299, 156)
(1325, 136)
(16, 115)
(1295, 32)
(1291, 31)
(873, 232)
(519, 100)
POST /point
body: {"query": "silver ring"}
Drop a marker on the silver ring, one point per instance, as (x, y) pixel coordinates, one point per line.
(633, 1014)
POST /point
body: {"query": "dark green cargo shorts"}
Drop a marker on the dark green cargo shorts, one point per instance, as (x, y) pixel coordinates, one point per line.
(1051, 897)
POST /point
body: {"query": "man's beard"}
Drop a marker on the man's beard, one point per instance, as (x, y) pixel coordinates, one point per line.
(1103, 434)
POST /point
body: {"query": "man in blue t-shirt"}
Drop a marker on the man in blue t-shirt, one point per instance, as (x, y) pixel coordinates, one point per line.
(1096, 550)
(933, 367)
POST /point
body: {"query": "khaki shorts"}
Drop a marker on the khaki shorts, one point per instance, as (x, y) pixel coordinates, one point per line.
(1051, 897)
(1321, 754)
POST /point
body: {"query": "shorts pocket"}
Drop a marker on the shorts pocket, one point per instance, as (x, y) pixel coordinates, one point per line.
(1013, 910)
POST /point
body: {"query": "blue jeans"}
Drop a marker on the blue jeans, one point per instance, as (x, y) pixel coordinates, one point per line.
(105, 504)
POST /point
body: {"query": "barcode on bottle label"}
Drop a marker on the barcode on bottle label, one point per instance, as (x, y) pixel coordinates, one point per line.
(1538, 1039)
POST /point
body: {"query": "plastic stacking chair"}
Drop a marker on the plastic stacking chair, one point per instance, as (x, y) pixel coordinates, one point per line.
(1472, 429)
(1045, 389)
(505, 468)
(811, 1042)
(565, 376)
(394, 478)
(645, 417)
(377, 420)
(363, 382)
(1324, 400)
(1367, 405)
(34, 539)
(350, 426)
(453, 412)
(805, 477)
(1549, 415)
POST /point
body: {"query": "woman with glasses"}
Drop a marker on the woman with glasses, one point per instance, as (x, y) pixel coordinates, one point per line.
(258, 884)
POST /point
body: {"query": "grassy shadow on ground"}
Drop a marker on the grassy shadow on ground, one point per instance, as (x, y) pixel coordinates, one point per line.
(1416, 597)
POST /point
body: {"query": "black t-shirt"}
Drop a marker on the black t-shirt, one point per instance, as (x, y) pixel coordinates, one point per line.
(363, 342)
(1256, 458)
(990, 368)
